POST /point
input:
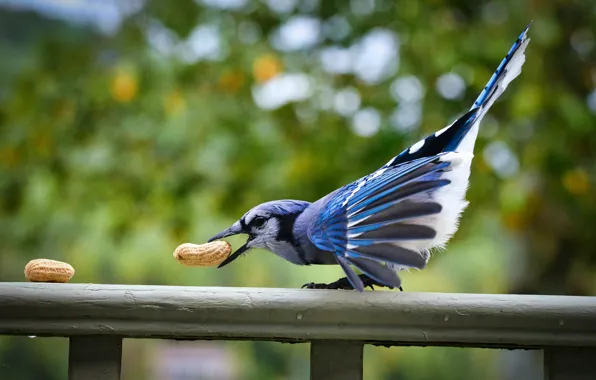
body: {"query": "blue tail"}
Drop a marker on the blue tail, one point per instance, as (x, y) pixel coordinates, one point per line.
(501, 71)
(461, 135)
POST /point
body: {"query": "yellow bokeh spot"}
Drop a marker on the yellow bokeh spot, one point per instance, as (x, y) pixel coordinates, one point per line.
(266, 67)
(576, 181)
(231, 81)
(174, 103)
(65, 111)
(514, 221)
(9, 156)
(124, 87)
(42, 141)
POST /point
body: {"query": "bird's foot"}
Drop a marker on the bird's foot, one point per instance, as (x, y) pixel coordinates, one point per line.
(344, 284)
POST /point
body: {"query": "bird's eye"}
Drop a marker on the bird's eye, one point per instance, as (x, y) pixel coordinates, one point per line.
(259, 221)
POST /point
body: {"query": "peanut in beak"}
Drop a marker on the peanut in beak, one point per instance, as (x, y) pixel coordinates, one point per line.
(203, 255)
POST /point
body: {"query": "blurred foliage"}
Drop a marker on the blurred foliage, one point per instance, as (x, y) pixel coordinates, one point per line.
(116, 147)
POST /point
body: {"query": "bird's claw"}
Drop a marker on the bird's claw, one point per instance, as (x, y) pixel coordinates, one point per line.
(333, 285)
(312, 285)
(344, 284)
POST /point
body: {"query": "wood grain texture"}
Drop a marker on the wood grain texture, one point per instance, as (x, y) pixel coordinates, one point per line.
(336, 360)
(398, 318)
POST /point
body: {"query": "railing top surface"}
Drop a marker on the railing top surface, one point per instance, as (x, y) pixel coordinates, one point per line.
(485, 320)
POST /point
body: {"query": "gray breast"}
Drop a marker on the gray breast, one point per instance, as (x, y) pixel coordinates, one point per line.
(286, 250)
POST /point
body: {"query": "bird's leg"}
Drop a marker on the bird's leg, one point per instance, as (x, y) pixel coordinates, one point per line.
(344, 284)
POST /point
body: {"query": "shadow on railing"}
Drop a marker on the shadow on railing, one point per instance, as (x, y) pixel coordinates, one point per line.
(337, 323)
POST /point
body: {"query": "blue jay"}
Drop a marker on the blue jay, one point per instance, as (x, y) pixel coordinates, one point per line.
(388, 220)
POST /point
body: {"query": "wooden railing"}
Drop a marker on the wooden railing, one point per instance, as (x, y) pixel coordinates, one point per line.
(336, 323)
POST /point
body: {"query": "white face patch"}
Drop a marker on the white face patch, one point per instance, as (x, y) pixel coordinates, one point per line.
(266, 235)
(416, 147)
(253, 214)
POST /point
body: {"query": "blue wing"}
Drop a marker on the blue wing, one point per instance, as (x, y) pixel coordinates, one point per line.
(368, 223)
(364, 223)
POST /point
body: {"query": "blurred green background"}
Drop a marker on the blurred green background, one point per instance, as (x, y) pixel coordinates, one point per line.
(127, 128)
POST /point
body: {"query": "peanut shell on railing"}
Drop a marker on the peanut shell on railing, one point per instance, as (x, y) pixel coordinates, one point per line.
(44, 270)
(203, 255)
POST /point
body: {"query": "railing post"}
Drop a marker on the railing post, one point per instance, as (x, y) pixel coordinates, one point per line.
(336, 360)
(570, 363)
(95, 357)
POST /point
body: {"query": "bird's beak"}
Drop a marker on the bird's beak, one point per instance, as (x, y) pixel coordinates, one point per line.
(235, 255)
(234, 230)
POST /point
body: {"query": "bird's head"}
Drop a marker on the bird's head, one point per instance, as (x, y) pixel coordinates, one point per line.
(268, 225)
